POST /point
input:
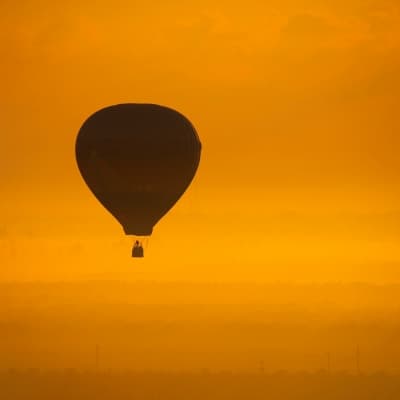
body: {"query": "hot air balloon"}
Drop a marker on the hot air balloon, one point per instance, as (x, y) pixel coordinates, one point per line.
(138, 160)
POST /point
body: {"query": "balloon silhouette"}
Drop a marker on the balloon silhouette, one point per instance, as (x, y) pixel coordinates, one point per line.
(138, 160)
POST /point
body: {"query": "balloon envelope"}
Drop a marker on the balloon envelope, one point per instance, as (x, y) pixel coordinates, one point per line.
(138, 160)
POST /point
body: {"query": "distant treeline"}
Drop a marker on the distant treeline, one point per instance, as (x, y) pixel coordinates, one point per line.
(77, 385)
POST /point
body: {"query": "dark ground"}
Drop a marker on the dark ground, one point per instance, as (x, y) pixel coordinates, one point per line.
(71, 384)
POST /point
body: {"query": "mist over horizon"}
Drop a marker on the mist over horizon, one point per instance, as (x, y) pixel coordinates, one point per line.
(163, 326)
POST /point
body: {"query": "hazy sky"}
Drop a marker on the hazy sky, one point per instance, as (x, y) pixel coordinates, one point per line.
(296, 104)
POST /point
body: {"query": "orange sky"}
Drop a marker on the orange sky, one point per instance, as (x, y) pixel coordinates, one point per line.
(296, 106)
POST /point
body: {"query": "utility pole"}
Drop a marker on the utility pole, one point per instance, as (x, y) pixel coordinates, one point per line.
(328, 360)
(358, 360)
(97, 357)
(261, 367)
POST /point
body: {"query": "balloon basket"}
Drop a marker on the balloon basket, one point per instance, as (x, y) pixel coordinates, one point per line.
(138, 247)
